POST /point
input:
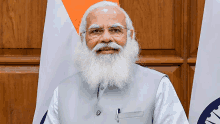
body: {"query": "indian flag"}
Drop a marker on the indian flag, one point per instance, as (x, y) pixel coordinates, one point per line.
(59, 40)
(205, 101)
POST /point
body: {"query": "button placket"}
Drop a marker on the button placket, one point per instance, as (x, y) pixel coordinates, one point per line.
(100, 92)
(98, 109)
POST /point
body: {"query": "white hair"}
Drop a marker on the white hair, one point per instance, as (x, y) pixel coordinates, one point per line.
(82, 28)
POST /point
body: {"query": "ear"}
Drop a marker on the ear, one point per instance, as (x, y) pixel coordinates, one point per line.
(81, 37)
(132, 33)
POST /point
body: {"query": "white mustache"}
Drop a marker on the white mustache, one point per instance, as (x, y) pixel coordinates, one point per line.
(111, 45)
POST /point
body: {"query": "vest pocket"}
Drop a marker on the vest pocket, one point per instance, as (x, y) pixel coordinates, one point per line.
(131, 117)
(131, 114)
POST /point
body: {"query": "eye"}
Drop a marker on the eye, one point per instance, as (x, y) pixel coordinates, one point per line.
(115, 30)
(96, 31)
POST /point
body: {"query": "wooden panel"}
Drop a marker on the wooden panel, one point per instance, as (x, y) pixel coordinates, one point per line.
(20, 56)
(18, 89)
(178, 25)
(1, 23)
(191, 60)
(194, 19)
(27, 60)
(152, 20)
(22, 24)
(196, 15)
(157, 24)
(160, 60)
(19, 69)
(184, 52)
(20, 52)
(157, 52)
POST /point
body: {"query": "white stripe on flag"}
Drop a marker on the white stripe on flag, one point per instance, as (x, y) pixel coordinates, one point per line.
(206, 84)
(56, 63)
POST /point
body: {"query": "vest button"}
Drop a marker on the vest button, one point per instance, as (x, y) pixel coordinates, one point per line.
(98, 112)
(102, 88)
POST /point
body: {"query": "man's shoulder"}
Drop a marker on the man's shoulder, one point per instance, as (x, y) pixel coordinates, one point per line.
(69, 81)
(148, 79)
(145, 71)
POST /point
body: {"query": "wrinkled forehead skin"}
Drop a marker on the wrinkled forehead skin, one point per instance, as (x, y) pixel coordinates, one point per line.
(106, 16)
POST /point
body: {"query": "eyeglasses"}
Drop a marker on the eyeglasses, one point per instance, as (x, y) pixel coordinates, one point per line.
(114, 32)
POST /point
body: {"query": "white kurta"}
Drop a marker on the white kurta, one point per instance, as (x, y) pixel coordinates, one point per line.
(168, 109)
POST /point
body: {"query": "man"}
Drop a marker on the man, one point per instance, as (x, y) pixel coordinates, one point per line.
(110, 88)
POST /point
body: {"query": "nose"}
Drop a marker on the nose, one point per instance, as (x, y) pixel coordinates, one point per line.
(106, 37)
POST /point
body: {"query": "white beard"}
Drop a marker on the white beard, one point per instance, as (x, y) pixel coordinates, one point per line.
(106, 69)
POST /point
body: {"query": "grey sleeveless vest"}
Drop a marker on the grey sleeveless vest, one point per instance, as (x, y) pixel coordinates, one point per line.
(77, 104)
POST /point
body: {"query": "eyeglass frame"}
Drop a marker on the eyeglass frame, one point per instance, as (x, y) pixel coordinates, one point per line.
(95, 27)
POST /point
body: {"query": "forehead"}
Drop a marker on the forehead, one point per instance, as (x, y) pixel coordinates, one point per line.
(106, 16)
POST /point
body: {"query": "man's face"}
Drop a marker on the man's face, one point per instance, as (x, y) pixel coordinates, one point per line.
(106, 54)
(106, 25)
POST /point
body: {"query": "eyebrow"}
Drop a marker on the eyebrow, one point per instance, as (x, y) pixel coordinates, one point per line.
(117, 25)
(112, 26)
(94, 26)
